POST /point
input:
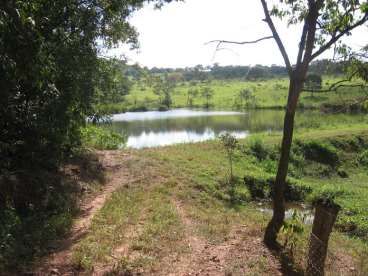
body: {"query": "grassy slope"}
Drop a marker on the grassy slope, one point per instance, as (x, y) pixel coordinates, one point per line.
(268, 94)
(141, 225)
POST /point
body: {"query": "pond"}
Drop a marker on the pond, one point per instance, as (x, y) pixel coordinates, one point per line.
(304, 212)
(154, 128)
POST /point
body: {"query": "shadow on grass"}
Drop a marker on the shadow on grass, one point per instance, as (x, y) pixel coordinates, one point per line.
(315, 98)
(40, 207)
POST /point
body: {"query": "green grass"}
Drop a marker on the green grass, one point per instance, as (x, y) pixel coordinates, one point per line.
(101, 138)
(139, 218)
(268, 94)
(143, 218)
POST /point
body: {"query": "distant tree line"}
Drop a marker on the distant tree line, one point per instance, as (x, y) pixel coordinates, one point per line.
(217, 72)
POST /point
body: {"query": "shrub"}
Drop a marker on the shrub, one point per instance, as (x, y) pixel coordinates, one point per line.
(326, 195)
(258, 149)
(263, 188)
(363, 158)
(163, 108)
(230, 143)
(321, 152)
(258, 187)
(240, 193)
(102, 139)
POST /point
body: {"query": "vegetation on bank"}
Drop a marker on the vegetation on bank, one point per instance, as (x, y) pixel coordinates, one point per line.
(101, 138)
(329, 158)
(28, 235)
(55, 197)
(326, 163)
(229, 95)
(321, 161)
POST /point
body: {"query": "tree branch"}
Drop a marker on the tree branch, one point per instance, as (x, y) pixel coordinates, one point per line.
(335, 88)
(238, 42)
(311, 22)
(347, 105)
(336, 37)
(302, 43)
(277, 38)
(340, 84)
(220, 42)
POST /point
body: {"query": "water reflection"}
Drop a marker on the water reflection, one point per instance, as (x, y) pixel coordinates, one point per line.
(151, 129)
(164, 138)
(174, 113)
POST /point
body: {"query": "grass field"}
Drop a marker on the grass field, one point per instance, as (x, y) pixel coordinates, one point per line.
(268, 94)
(181, 195)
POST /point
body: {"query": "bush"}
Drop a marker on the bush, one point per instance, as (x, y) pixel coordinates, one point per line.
(258, 149)
(240, 193)
(163, 108)
(263, 188)
(363, 158)
(321, 152)
(258, 188)
(101, 139)
(326, 195)
(27, 229)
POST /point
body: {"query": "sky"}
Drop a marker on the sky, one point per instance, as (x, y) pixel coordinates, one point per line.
(176, 35)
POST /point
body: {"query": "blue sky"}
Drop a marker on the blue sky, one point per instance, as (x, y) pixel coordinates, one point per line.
(175, 36)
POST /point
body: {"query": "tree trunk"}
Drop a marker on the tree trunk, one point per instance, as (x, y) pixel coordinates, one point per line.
(278, 216)
(324, 219)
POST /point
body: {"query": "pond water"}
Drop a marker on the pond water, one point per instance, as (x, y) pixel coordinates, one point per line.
(305, 212)
(154, 128)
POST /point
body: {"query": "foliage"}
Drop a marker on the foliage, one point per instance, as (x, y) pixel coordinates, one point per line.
(51, 81)
(207, 93)
(192, 93)
(101, 139)
(326, 195)
(163, 88)
(51, 75)
(230, 144)
(246, 98)
(258, 149)
(324, 23)
(292, 230)
(363, 158)
(313, 82)
(202, 73)
(321, 152)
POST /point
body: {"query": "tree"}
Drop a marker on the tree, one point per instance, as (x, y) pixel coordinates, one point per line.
(48, 78)
(246, 96)
(111, 83)
(324, 22)
(230, 144)
(163, 88)
(207, 93)
(313, 82)
(191, 94)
